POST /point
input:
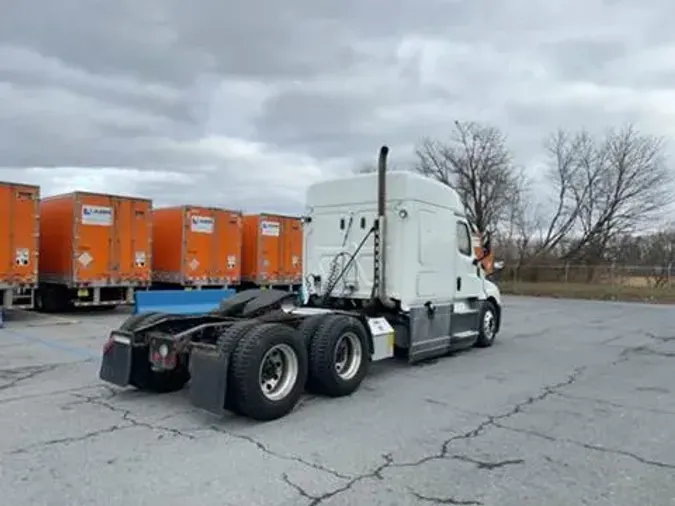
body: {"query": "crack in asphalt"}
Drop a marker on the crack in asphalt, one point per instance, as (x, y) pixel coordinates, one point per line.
(663, 339)
(444, 451)
(615, 404)
(16, 377)
(128, 415)
(446, 500)
(612, 339)
(481, 464)
(51, 393)
(127, 418)
(646, 350)
(290, 458)
(316, 500)
(589, 446)
(68, 440)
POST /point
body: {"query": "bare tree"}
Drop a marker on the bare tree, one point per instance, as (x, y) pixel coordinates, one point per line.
(599, 191)
(618, 182)
(556, 217)
(651, 254)
(477, 164)
(659, 255)
(520, 225)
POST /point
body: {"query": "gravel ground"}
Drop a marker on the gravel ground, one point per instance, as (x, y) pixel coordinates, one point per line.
(572, 405)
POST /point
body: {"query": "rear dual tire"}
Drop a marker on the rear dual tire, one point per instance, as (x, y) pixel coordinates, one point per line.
(271, 364)
(267, 371)
(339, 354)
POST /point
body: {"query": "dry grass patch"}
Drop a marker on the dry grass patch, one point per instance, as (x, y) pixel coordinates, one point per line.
(624, 292)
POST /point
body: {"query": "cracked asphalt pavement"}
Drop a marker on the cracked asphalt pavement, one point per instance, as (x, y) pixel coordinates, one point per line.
(574, 404)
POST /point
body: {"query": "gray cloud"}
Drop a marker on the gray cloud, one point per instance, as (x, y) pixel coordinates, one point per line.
(244, 107)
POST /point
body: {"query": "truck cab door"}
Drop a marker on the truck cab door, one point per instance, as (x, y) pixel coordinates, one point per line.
(468, 282)
(465, 316)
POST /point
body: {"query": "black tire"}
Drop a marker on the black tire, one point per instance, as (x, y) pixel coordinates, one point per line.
(227, 343)
(487, 325)
(246, 364)
(307, 330)
(43, 301)
(142, 376)
(309, 325)
(51, 299)
(323, 371)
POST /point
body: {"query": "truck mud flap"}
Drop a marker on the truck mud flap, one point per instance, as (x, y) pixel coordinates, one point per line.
(208, 379)
(117, 360)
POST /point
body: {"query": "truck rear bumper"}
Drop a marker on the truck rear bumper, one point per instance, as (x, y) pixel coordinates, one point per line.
(117, 359)
(208, 378)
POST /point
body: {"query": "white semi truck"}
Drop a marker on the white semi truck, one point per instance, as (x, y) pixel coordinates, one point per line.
(390, 271)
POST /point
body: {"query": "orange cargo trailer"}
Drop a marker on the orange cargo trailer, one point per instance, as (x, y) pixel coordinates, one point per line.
(19, 218)
(272, 250)
(196, 246)
(95, 249)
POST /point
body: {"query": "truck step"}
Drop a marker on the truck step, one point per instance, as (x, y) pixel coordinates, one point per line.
(467, 334)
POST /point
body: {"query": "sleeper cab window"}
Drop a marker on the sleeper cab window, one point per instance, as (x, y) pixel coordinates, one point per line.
(463, 238)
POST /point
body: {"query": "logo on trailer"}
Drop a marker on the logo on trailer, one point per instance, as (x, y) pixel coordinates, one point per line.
(97, 215)
(270, 228)
(201, 224)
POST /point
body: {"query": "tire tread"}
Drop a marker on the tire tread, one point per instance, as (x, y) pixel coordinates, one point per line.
(324, 380)
(244, 366)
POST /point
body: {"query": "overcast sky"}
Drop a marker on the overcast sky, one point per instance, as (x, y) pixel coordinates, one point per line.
(205, 102)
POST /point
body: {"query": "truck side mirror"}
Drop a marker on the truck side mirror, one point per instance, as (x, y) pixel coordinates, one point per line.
(485, 247)
(487, 243)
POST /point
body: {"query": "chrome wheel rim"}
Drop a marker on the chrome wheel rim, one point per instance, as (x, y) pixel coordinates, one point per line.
(348, 355)
(278, 372)
(489, 324)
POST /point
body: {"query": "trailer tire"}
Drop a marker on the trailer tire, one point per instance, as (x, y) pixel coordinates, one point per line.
(329, 375)
(52, 299)
(142, 376)
(487, 325)
(227, 342)
(267, 347)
